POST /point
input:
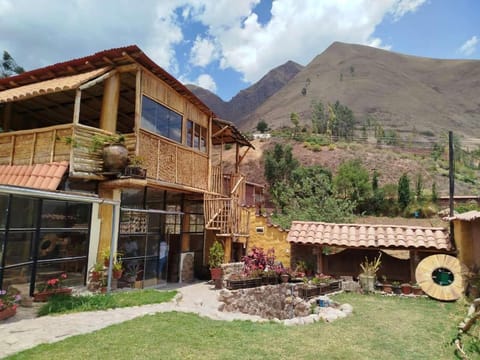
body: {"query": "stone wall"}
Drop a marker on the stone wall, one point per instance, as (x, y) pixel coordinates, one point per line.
(270, 302)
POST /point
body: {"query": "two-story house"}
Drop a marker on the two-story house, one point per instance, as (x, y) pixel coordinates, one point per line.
(61, 207)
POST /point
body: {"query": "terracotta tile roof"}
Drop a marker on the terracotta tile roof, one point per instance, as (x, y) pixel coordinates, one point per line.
(39, 176)
(467, 216)
(364, 235)
(49, 86)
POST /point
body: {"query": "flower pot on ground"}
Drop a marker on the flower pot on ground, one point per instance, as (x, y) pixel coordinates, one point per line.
(406, 288)
(387, 287)
(285, 277)
(7, 313)
(396, 288)
(215, 261)
(417, 290)
(43, 296)
(369, 270)
(8, 302)
(117, 269)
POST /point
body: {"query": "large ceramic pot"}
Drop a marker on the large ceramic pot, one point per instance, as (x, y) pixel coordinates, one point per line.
(367, 282)
(115, 157)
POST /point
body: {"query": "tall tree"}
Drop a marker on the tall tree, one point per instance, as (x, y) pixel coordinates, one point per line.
(262, 126)
(279, 164)
(353, 182)
(403, 191)
(296, 122)
(8, 66)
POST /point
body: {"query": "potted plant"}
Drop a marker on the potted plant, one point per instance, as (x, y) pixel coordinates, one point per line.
(387, 286)
(131, 272)
(117, 269)
(51, 287)
(396, 287)
(135, 168)
(406, 288)
(416, 289)
(369, 271)
(215, 261)
(8, 303)
(96, 272)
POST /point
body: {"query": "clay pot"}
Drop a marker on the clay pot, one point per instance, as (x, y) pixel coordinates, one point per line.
(115, 157)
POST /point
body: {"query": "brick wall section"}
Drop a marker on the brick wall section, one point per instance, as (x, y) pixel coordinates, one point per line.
(272, 237)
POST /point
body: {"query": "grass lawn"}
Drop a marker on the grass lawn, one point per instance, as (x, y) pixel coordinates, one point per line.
(380, 328)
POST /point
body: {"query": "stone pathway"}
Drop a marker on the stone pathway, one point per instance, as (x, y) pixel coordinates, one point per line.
(25, 331)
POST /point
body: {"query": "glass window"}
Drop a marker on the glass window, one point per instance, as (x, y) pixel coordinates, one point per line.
(63, 214)
(19, 247)
(196, 136)
(28, 208)
(161, 120)
(3, 210)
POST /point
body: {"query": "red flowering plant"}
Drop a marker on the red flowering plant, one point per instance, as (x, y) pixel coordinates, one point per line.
(258, 263)
(9, 299)
(53, 284)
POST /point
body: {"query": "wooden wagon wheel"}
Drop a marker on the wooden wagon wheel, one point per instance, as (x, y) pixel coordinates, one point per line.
(441, 277)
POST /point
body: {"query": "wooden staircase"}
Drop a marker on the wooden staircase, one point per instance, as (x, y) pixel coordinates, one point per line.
(225, 213)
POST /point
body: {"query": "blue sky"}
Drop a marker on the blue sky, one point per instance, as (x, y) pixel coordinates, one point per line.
(227, 45)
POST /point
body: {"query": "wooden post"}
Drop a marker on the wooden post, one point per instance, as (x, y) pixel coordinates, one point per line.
(7, 117)
(228, 249)
(185, 233)
(320, 259)
(413, 264)
(111, 95)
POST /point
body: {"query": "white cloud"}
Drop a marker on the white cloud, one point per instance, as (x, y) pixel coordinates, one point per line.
(203, 52)
(297, 30)
(469, 46)
(402, 7)
(207, 82)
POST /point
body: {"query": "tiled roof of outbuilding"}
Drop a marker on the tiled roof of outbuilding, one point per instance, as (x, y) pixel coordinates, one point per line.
(39, 176)
(368, 236)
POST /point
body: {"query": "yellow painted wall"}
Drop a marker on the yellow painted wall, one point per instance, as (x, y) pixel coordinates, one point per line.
(464, 242)
(273, 237)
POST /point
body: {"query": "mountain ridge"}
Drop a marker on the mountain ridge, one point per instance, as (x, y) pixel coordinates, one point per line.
(409, 94)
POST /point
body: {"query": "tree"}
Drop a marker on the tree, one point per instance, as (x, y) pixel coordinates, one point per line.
(318, 118)
(295, 121)
(434, 193)
(279, 164)
(419, 187)
(403, 191)
(309, 195)
(262, 126)
(353, 182)
(9, 67)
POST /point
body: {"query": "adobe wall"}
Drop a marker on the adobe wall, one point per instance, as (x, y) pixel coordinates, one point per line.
(271, 237)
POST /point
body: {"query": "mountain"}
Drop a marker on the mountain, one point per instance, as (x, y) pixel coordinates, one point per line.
(404, 93)
(248, 100)
(415, 96)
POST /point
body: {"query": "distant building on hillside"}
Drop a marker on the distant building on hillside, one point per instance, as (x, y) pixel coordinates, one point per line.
(263, 136)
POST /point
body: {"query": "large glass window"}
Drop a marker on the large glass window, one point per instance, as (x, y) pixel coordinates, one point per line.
(161, 120)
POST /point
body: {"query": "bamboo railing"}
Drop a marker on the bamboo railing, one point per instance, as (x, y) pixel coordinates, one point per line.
(226, 214)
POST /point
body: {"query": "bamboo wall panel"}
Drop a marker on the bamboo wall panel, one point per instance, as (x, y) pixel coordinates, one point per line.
(200, 174)
(44, 143)
(5, 149)
(185, 167)
(195, 114)
(148, 151)
(23, 149)
(176, 101)
(167, 162)
(87, 162)
(154, 88)
(61, 149)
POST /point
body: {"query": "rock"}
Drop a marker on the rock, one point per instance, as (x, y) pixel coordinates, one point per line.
(346, 308)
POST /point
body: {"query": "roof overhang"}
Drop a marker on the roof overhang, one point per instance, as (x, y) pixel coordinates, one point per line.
(225, 132)
(108, 58)
(369, 236)
(49, 86)
(39, 176)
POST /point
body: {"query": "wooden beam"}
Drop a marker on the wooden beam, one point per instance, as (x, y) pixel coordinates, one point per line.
(97, 80)
(138, 104)
(241, 157)
(219, 132)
